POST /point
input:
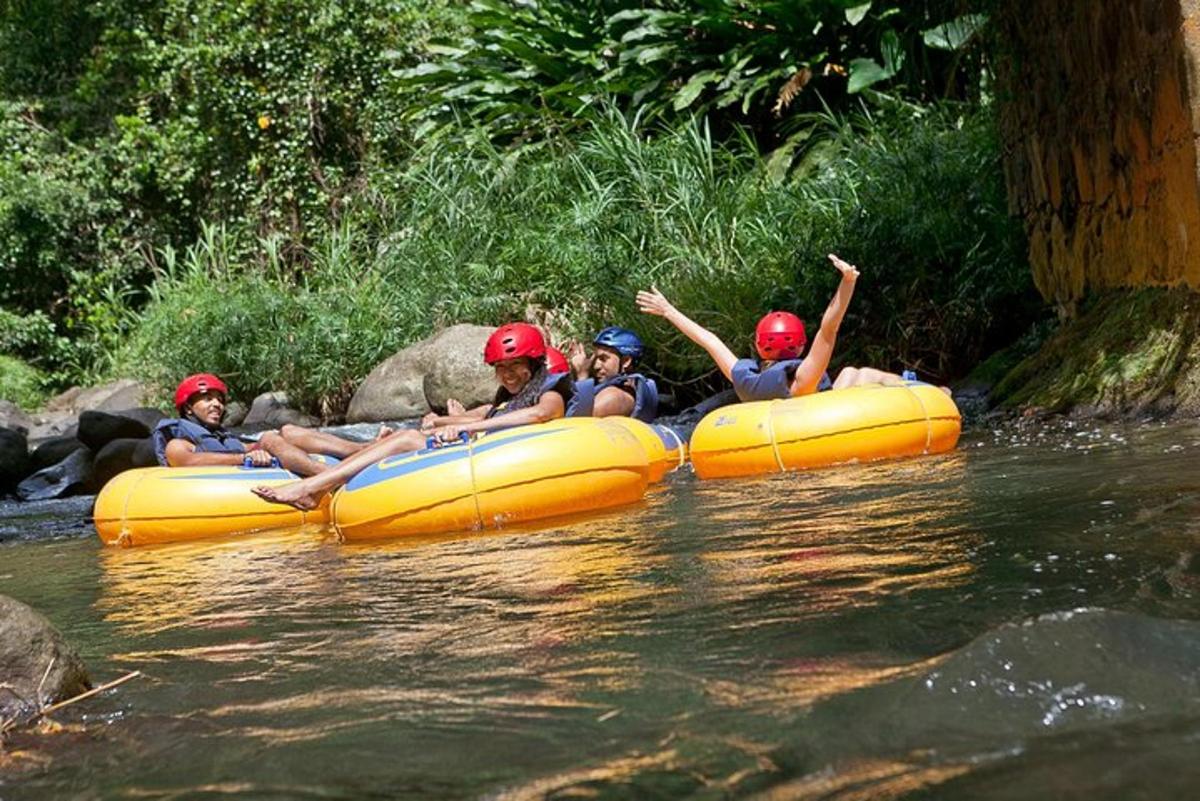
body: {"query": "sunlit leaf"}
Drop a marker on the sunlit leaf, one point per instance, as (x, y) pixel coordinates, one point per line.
(857, 14)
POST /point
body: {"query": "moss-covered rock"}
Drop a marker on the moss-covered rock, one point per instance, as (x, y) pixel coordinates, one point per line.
(1128, 352)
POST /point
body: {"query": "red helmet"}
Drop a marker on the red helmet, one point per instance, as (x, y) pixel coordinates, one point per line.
(779, 335)
(556, 362)
(194, 385)
(513, 340)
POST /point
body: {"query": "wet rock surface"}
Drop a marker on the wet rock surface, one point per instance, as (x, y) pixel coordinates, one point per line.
(37, 664)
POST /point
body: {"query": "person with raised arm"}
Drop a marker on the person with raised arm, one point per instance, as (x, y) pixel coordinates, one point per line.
(779, 372)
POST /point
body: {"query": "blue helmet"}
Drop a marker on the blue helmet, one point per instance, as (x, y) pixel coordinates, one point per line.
(622, 340)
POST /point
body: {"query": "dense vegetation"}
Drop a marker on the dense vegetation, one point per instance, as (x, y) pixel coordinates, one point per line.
(287, 191)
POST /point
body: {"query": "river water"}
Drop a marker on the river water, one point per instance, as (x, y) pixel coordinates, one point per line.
(1018, 619)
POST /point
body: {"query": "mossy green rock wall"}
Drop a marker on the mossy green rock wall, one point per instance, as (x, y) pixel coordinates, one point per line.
(1128, 352)
(1098, 113)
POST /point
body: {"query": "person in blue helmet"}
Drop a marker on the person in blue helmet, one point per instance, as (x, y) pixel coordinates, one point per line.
(605, 384)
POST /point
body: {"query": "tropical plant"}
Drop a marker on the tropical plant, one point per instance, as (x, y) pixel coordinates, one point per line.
(524, 68)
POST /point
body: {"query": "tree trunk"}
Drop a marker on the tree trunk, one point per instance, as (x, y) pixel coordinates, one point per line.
(1099, 105)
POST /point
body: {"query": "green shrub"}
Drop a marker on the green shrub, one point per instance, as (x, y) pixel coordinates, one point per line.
(568, 232)
(20, 383)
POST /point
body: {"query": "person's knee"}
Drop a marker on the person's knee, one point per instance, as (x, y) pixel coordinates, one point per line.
(270, 441)
(847, 377)
(290, 431)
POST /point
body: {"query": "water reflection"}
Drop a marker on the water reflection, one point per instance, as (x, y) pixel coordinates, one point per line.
(726, 638)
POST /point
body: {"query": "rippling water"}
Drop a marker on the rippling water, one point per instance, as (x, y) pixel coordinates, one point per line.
(1017, 619)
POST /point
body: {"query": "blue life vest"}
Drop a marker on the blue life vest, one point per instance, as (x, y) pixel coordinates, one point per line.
(645, 396)
(206, 441)
(554, 382)
(752, 383)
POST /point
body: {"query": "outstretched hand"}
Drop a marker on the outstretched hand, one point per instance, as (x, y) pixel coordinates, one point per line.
(653, 302)
(849, 271)
(577, 358)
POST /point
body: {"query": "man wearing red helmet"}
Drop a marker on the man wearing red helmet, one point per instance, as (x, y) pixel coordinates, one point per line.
(196, 437)
(779, 339)
(528, 393)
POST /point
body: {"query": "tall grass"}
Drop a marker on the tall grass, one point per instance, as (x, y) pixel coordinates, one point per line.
(566, 233)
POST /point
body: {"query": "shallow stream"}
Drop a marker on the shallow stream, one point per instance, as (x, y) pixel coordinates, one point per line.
(1018, 619)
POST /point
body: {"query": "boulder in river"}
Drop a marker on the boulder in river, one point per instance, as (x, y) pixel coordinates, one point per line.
(37, 665)
(272, 410)
(53, 451)
(70, 476)
(420, 377)
(235, 414)
(14, 458)
(120, 455)
(97, 429)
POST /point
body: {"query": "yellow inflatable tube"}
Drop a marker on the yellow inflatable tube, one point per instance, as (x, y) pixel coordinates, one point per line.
(860, 423)
(665, 449)
(151, 505)
(504, 478)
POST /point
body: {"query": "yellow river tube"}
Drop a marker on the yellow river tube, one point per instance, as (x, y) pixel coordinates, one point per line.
(665, 449)
(504, 478)
(843, 425)
(151, 505)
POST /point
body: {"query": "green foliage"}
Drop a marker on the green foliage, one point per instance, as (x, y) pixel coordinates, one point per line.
(20, 383)
(566, 235)
(126, 123)
(521, 69)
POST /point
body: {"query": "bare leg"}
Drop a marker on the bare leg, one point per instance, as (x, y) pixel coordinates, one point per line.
(859, 376)
(290, 456)
(306, 494)
(319, 442)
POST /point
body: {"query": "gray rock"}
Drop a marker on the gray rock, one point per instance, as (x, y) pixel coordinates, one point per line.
(70, 476)
(37, 665)
(449, 364)
(122, 394)
(12, 417)
(14, 458)
(458, 370)
(64, 401)
(271, 410)
(235, 414)
(50, 424)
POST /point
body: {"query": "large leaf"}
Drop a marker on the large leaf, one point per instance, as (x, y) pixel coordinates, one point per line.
(865, 72)
(954, 34)
(857, 14)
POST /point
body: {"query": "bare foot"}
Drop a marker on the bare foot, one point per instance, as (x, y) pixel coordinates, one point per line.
(291, 494)
(947, 391)
(384, 433)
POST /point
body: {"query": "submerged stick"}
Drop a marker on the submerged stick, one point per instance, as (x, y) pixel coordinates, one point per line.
(96, 690)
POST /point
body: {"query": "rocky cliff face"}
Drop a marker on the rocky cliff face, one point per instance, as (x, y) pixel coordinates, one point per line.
(1100, 102)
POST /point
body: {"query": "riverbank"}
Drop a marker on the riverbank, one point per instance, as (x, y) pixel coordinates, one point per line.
(1128, 354)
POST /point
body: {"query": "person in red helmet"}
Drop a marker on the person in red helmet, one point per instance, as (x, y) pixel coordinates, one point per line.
(528, 393)
(779, 339)
(196, 437)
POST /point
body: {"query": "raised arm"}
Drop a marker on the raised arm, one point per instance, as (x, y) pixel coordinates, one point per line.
(653, 302)
(808, 374)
